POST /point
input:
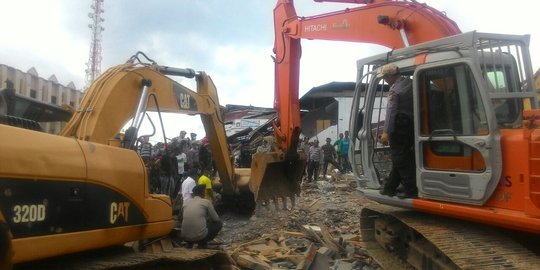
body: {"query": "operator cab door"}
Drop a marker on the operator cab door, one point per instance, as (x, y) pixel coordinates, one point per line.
(457, 141)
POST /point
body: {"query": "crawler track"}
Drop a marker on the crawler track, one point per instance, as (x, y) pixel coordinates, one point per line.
(431, 242)
(120, 258)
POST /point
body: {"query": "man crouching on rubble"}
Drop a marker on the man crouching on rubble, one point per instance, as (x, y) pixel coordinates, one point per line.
(200, 222)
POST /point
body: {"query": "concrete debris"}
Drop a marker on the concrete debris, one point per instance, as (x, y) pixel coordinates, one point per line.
(322, 232)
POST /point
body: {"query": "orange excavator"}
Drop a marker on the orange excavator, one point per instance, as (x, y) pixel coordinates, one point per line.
(474, 104)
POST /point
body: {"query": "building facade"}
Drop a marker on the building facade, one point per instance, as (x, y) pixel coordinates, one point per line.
(30, 84)
(46, 90)
(326, 110)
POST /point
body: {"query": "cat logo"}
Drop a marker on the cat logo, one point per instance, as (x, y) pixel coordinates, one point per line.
(185, 101)
(119, 210)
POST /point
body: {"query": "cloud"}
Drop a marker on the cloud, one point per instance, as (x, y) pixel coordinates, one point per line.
(44, 40)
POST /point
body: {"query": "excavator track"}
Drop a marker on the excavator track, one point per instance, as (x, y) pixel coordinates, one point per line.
(123, 258)
(428, 242)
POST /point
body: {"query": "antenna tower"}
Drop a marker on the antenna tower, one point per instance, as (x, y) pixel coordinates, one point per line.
(93, 67)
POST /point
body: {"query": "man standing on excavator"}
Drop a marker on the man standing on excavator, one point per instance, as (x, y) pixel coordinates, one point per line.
(399, 131)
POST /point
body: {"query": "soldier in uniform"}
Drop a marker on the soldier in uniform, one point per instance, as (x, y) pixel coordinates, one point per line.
(399, 131)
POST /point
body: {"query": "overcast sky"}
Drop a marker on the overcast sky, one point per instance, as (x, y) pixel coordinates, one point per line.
(230, 40)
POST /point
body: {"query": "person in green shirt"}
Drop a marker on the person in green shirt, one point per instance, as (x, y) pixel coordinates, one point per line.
(344, 152)
(337, 145)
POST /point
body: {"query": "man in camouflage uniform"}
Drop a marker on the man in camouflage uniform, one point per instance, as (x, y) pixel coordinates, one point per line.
(329, 156)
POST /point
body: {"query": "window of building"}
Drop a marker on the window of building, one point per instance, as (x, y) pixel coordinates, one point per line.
(53, 99)
(33, 93)
(45, 94)
(21, 86)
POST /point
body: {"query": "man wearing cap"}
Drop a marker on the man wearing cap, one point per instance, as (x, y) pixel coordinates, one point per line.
(200, 222)
(399, 132)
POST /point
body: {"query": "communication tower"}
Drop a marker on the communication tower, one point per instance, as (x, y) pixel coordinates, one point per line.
(93, 67)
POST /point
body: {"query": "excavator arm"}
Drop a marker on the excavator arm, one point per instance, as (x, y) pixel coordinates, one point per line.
(129, 90)
(394, 24)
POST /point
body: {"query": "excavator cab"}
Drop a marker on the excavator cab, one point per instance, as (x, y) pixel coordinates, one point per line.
(464, 93)
(476, 152)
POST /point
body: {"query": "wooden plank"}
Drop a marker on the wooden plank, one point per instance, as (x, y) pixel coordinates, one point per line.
(314, 202)
(288, 233)
(310, 234)
(329, 241)
(252, 263)
(263, 258)
(273, 243)
(256, 241)
(258, 247)
(166, 244)
(270, 252)
(308, 258)
(296, 259)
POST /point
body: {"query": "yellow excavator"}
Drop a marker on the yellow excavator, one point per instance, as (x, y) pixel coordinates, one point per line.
(88, 188)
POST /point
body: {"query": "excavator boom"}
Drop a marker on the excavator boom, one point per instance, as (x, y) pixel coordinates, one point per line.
(394, 24)
(101, 115)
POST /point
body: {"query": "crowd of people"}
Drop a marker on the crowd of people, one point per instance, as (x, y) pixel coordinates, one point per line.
(319, 157)
(182, 169)
(167, 164)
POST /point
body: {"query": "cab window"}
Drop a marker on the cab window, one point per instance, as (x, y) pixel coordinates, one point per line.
(450, 106)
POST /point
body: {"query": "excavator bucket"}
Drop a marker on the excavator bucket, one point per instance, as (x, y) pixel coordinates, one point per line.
(273, 177)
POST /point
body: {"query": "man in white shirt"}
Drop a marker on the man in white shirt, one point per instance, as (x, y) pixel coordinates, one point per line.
(181, 160)
(188, 185)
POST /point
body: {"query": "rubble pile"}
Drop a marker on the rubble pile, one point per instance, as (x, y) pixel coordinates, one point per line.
(314, 248)
(322, 232)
